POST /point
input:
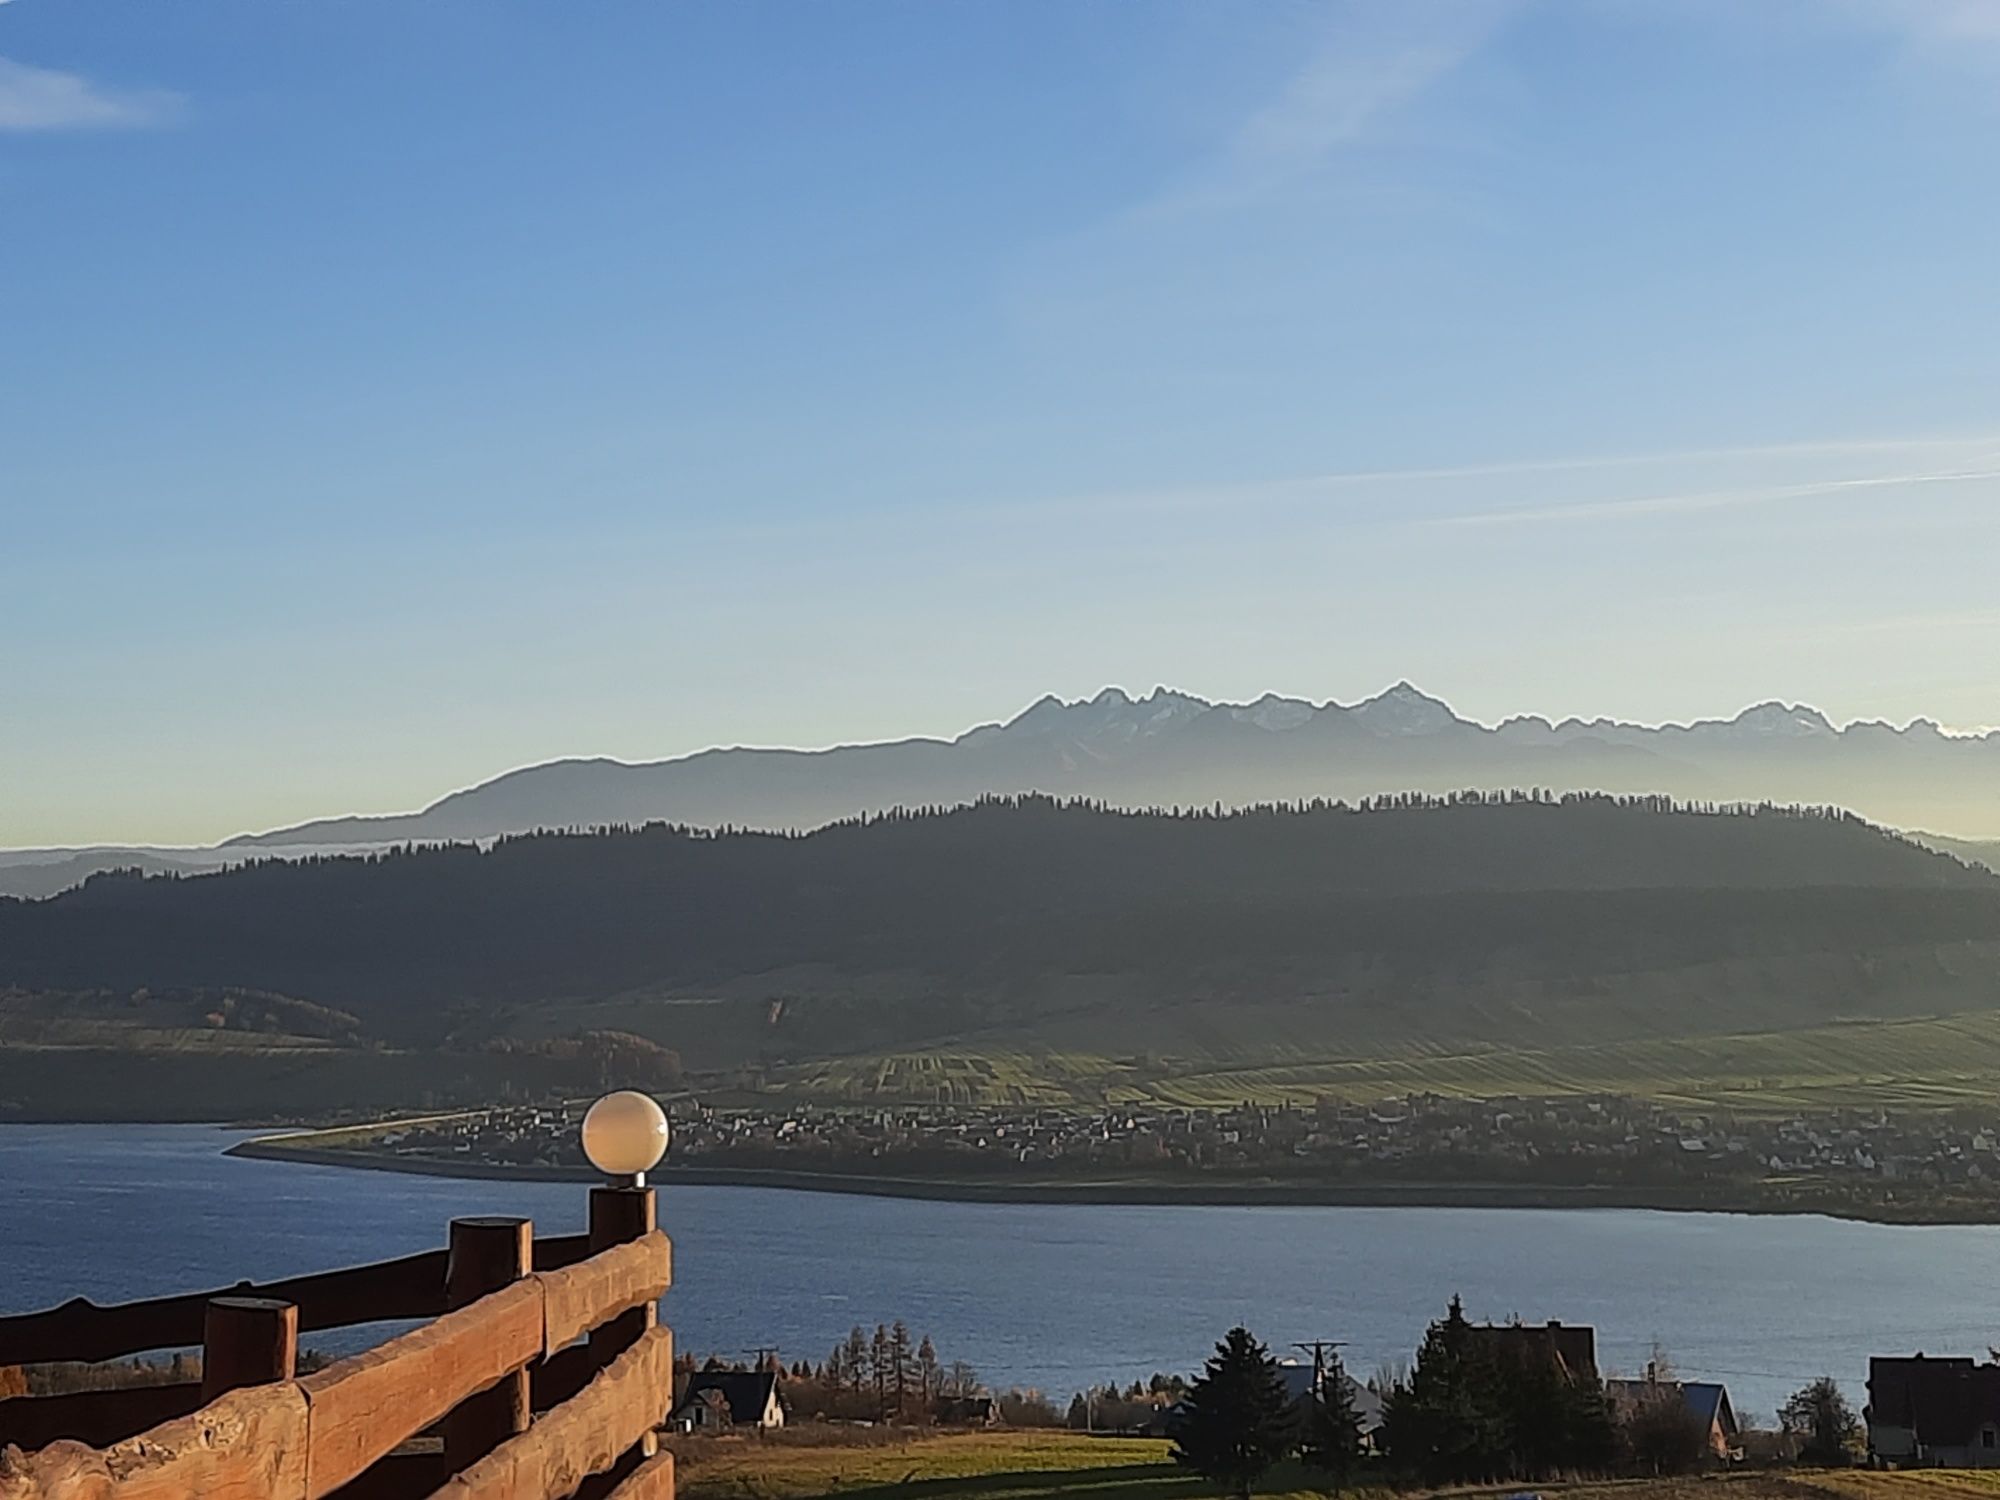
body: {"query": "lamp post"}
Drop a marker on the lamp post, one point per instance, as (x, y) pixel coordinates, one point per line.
(624, 1136)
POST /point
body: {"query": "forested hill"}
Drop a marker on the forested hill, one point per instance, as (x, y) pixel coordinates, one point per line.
(1012, 898)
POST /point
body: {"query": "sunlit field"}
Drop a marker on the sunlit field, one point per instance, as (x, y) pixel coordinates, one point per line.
(1934, 1062)
(1016, 1465)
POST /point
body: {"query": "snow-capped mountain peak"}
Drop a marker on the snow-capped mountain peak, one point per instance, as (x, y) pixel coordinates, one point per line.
(1112, 716)
(1043, 713)
(1403, 709)
(1273, 713)
(1783, 721)
(1164, 708)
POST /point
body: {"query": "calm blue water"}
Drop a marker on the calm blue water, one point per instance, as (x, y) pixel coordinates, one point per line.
(1050, 1295)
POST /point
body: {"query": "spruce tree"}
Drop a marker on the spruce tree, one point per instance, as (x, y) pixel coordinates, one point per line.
(1330, 1438)
(1593, 1434)
(1556, 1419)
(1237, 1420)
(902, 1365)
(878, 1369)
(855, 1363)
(1444, 1424)
(927, 1371)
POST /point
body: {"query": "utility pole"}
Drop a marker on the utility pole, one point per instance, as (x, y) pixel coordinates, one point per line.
(763, 1352)
(1319, 1349)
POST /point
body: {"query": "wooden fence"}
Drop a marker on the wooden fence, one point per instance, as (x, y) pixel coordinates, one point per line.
(539, 1373)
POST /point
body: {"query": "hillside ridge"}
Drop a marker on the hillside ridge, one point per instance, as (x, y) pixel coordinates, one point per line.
(988, 912)
(1022, 945)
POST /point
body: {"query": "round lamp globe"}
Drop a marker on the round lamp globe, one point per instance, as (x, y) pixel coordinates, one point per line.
(625, 1134)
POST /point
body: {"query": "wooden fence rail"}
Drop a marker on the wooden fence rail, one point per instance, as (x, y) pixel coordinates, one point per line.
(540, 1366)
(386, 1291)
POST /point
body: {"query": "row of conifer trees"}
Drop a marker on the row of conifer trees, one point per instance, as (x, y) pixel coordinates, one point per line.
(1465, 1413)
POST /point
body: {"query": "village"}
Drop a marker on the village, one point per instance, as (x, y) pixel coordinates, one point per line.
(1873, 1162)
(1920, 1412)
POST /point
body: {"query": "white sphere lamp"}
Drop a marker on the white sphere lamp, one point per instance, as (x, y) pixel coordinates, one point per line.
(625, 1135)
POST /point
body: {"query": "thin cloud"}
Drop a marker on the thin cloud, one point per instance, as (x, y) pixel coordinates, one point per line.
(1939, 26)
(1967, 457)
(1700, 500)
(1972, 452)
(45, 99)
(1938, 622)
(1643, 460)
(1365, 64)
(1923, 39)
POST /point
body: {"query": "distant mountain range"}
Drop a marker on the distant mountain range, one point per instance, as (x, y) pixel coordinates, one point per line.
(1170, 749)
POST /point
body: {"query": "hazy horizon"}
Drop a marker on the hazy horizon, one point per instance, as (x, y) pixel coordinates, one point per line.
(953, 735)
(628, 384)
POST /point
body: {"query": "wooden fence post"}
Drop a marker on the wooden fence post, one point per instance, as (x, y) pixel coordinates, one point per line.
(619, 1215)
(486, 1255)
(247, 1341)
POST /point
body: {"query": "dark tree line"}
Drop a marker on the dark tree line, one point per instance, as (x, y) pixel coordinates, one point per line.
(887, 1376)
(987, 899)
(1479, 1405)
(1136, 1407)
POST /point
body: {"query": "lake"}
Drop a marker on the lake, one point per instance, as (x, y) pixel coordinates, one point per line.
(1047, 1295)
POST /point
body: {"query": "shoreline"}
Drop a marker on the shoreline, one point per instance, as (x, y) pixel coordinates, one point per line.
(1134, 1192)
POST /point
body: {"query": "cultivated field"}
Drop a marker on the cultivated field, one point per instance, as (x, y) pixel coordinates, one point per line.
(1919, 1063)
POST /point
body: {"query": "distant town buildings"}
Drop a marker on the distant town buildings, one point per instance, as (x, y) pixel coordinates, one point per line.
(1883, 1163)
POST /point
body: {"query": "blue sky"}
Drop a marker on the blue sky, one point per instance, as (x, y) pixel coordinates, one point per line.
(394, 394)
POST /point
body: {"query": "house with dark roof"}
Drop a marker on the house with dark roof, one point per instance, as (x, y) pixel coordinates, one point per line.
(965, 1411)
(1707, 1402)
(1933, 1413)
(1570, 1347)
(719, 1399)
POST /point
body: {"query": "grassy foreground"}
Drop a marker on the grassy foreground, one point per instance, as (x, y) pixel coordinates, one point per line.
(1017, 1465)
(992, 1466)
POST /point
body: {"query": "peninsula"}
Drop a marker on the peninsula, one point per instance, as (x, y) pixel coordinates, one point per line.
(1607, 1152)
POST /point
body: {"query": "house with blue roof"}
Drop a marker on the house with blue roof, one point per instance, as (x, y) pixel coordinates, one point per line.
(1706, 1401)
